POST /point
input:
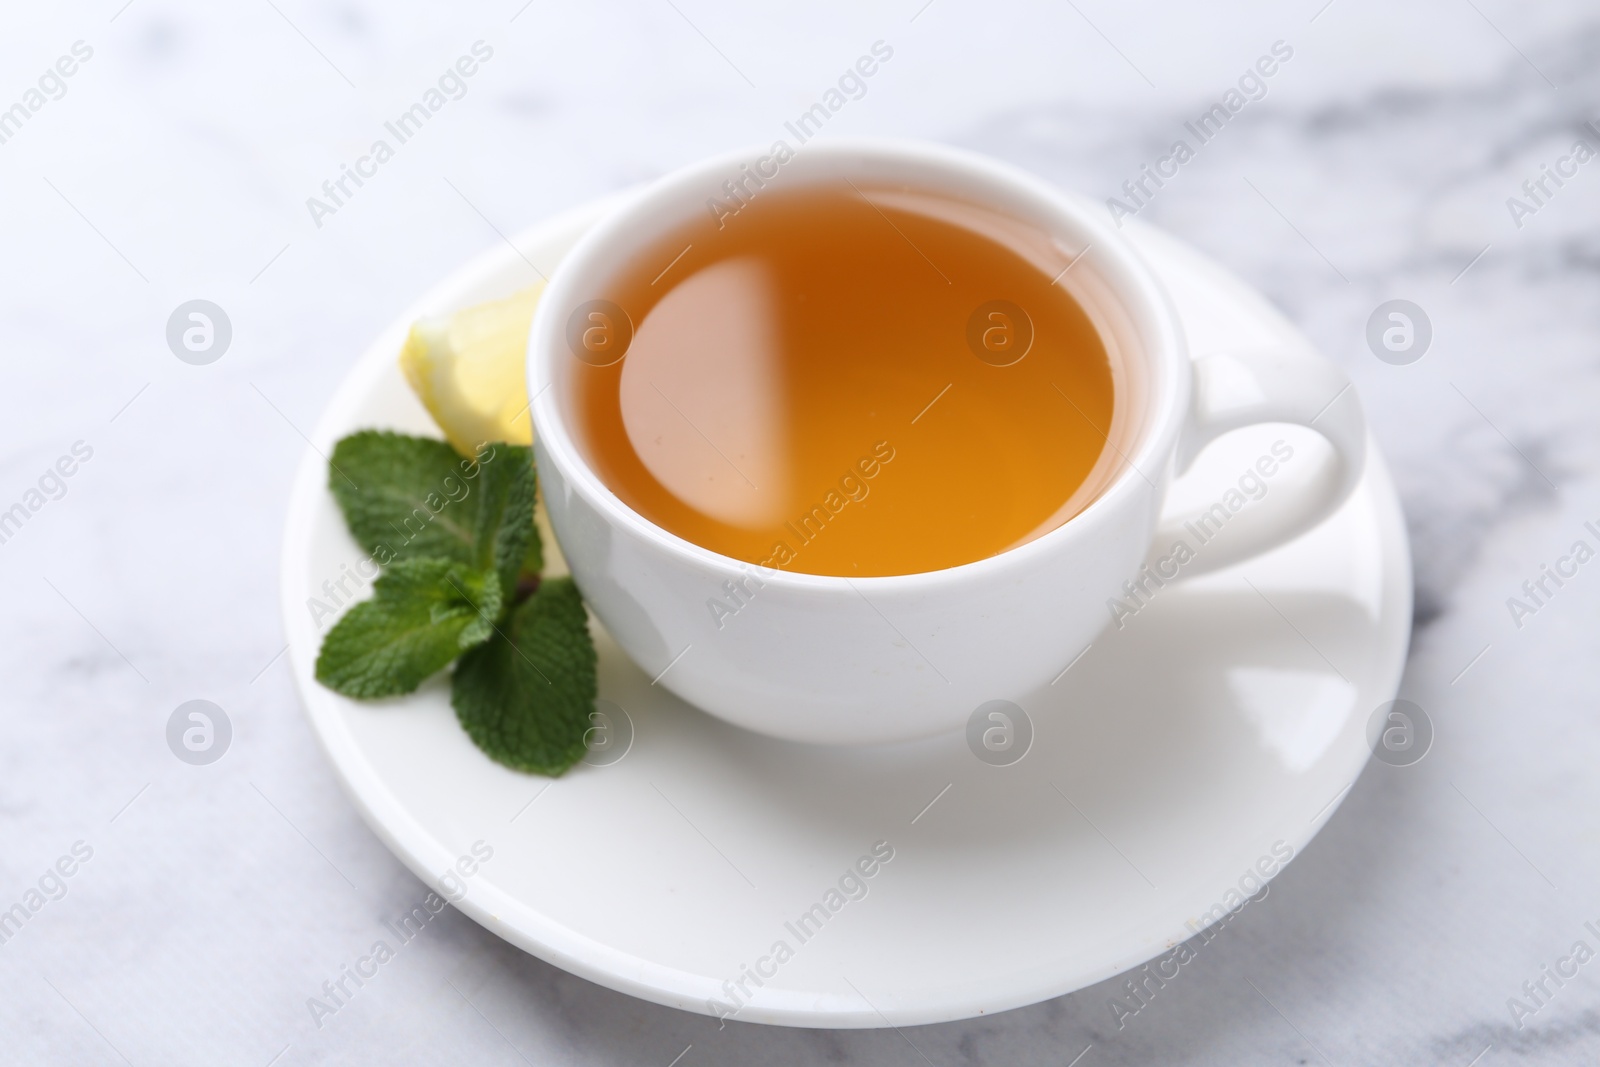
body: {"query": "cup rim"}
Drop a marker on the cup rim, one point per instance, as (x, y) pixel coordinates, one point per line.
(1136, 287)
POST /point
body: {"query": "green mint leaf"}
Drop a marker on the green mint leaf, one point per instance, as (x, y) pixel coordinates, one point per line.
(405, 497)
(504, 537)
(423, 613)
(525, 695)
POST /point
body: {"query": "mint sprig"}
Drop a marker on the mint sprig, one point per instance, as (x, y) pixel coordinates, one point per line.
(542, 660)
(404, 496)
(504, 538)
(409, 497)
(422, 615)
(458, 551)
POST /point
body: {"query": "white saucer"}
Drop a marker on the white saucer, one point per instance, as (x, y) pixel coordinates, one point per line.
(1229, 716)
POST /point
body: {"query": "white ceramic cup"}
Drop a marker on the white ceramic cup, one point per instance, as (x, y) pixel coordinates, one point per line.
(838, 660)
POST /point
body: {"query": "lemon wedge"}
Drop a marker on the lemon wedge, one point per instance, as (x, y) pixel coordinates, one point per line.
(468, 370)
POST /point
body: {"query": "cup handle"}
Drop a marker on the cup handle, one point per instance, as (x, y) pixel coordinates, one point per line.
(1237, 389)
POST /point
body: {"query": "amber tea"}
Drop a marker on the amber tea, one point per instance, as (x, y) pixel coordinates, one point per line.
(844, 379)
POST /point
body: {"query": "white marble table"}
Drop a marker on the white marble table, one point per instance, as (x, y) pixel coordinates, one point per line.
(175, 163)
